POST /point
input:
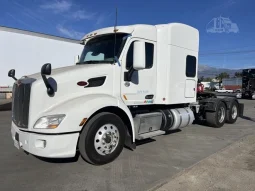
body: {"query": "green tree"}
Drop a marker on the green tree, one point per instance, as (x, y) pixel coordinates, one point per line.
(222, 75)
(208, 79)
(238, 74)
(201, 78)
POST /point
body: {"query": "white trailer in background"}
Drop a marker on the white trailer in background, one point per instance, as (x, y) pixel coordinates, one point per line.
(27, 51)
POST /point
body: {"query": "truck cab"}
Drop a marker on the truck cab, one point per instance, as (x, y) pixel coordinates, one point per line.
(130, 83)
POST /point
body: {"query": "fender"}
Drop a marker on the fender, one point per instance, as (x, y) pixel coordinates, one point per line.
(211, 103)
(82, 107)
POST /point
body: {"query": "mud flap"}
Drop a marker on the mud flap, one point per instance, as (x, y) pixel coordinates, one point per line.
(129, 143)
(241, 108)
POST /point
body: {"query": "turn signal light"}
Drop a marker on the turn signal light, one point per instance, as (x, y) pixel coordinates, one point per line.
(83, 122)
(52, 126)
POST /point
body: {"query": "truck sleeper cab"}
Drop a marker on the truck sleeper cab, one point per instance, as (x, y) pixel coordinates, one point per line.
(130, 83)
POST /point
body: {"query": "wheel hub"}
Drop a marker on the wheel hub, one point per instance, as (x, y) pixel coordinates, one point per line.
(221, 114)
(106, 139)
(234, 112)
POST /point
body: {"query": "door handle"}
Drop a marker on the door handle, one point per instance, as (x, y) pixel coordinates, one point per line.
(149, 96)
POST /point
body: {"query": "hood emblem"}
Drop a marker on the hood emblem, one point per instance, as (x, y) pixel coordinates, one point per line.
(18, 82)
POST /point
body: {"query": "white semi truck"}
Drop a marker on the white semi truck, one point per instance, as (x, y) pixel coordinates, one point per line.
(130, 83)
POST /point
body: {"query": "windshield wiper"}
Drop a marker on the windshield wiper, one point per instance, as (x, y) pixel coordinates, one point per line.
(95, 61)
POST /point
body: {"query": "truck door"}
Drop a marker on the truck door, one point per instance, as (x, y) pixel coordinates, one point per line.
(190, 87)
(190, 82)
(142, 87)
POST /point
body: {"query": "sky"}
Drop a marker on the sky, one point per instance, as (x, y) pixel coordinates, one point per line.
(74, 18)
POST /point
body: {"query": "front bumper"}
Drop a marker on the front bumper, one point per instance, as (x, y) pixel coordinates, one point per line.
(45, 145)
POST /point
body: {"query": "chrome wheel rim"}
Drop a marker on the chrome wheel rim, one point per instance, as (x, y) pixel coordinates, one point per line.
(106, 139)
(234, 112)
(221, 114)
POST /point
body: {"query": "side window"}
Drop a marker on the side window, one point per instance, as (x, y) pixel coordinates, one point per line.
(129, 61)
(191, 65)
(149, 51)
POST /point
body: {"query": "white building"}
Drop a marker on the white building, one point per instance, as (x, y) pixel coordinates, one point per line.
(27, 51)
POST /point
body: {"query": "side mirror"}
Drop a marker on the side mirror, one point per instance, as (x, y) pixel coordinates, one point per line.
(11, 74)
(76, 59)
(46, 69)
(139, 55)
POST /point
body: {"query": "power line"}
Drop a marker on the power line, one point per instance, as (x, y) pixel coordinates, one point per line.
(233, 49)
(228, 52)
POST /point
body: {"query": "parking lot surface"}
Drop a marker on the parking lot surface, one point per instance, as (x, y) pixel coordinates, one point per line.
(152, 163)
(231, 169)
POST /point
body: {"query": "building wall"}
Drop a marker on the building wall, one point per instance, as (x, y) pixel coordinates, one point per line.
(26, 53)
(2, 95)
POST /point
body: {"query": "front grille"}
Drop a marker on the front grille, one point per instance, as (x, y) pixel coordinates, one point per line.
(20, 104)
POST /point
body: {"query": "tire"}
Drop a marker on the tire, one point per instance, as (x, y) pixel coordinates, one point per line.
(91, 138)
(213, 119)
(232, 113)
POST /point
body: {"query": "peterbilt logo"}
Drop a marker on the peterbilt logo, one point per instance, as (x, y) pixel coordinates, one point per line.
(18, 82)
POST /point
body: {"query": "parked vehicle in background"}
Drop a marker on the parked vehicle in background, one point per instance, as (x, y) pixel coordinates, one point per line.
(244, 86)
(232, 83)
(248, 83)
(238, 91)
(223, 90)
(111, 99)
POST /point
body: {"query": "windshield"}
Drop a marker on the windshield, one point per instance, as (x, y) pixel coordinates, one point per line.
(101, 49)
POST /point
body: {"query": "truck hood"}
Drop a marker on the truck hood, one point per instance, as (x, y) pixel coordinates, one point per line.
(66, 87)
(85, 68)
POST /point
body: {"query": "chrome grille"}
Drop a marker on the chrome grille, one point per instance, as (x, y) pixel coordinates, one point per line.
(20, 104)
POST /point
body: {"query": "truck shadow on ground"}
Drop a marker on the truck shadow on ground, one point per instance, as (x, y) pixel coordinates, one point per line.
(60, 160)
(248, 118)
(173, 131)
(6, 106)
(143, 142)
(150, 140)
(77, 156)
(201, 123)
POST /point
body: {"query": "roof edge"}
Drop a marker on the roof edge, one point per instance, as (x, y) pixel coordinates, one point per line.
(37, 34)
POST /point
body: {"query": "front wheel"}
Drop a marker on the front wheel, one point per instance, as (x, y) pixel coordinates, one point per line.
(102, 139)
(217, 118)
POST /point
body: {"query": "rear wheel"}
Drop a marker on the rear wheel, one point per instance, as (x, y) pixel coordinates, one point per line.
(217, 118)
(102, 139)
(232, 113)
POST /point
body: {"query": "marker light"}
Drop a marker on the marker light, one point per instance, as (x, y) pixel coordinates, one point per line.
(82, 83)
(49, 122)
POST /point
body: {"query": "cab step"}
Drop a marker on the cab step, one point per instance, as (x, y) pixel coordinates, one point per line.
(150, 134)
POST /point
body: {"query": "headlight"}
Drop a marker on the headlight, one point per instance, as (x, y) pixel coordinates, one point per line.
(49, 122)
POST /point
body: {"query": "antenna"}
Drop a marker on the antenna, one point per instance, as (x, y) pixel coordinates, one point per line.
(115, 30)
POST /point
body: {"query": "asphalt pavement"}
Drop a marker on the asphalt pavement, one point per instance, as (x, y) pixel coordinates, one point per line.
(5, 104)
(153, 162)
(231, 169)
